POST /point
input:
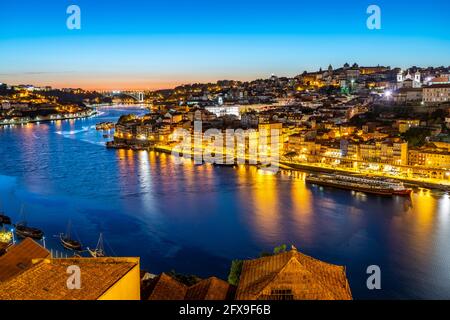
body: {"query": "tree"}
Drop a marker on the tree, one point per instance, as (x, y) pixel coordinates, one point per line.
(188, 280)
(126, 118)
(280, 249)
(235, 272)
(416, 137)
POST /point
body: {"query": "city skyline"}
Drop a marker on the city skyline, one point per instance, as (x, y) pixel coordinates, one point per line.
(161, 46)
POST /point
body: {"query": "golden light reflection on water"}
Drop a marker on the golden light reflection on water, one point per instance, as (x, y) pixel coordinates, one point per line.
(266, 216)
(302, 206)
(425, 208)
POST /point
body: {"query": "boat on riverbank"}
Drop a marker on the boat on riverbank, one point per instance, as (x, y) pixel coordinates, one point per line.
(366, 185)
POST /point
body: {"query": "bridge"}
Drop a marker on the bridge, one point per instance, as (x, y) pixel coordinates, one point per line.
(137, 95)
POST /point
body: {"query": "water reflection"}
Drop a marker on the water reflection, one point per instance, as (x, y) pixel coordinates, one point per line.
(173, 215)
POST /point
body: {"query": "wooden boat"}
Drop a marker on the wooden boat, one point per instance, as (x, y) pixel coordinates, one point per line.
(4, 219)
(68, 242)
(99, 251)
(24, 231)
(229, 165)
(225, 163)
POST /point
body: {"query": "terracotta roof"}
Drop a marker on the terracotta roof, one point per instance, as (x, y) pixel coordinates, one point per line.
(47, 279)
(18, 258)
(164, 287)
(210, 289)
(440, 79)
(292, 275)
(437, 86)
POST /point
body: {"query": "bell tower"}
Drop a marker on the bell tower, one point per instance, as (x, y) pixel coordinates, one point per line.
(400, 76)
(417, 77)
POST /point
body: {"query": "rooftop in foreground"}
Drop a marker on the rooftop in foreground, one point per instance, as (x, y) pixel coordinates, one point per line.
(47, 279)
(292, 276)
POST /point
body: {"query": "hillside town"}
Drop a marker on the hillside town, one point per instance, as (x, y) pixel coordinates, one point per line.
(371, 120)
(24, 104)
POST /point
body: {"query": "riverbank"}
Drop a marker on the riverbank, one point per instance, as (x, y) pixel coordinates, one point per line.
(406, 181)
(79, 115)
(286, 165)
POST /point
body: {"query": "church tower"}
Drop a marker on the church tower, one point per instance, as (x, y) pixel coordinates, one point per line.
(417, 80)
(400, 76)
(417, 77)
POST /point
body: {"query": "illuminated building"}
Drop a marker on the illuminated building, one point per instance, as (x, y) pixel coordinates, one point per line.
(406, 124)
(408, 80)
(435, 94)
(388, 152)
(429, 158)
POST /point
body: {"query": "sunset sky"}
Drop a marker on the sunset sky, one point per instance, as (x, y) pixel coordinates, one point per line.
(147, 44)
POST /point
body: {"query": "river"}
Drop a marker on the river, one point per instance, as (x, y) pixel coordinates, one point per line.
(196, 219)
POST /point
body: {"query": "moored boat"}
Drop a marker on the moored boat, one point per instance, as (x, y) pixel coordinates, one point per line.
(23, 231)
(68, 242)
(371, 186)
(4, 219)
(99, 251)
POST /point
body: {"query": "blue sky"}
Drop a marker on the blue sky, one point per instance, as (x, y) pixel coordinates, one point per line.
(154, 44)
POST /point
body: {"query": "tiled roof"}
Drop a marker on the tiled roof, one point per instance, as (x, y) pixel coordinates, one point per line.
(304, 277)
(18, 258)
(164, 287)
(47, 279)
(210, 289)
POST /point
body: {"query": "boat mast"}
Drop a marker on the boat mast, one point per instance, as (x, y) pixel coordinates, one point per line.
(100, 247)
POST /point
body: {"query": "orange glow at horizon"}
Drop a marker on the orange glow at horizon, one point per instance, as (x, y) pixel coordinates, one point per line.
(118, 82)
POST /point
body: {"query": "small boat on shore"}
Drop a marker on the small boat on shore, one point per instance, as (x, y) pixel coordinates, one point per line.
(366, 185)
